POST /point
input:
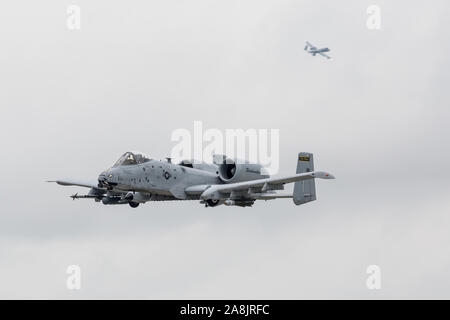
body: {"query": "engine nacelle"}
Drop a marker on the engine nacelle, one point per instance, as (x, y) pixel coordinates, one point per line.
(231, 171)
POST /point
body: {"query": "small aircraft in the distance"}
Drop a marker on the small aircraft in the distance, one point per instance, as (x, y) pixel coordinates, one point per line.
(314, 50)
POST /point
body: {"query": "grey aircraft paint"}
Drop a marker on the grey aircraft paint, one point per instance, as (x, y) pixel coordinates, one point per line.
(136, 178)
(313, 50)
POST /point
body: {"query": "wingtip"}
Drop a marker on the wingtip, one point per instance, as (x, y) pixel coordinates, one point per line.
(329, 176)
(324, 175)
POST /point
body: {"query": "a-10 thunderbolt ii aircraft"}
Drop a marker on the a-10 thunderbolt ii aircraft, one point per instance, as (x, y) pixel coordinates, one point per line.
(136, 178)
(314, 50)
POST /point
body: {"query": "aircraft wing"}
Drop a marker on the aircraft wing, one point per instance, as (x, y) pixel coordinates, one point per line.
(324, 55)
(79, 183)
(265, 184)
(310, 45)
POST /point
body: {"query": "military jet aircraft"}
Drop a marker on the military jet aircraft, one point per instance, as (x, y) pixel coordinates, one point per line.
(314, 50)
(136, 178)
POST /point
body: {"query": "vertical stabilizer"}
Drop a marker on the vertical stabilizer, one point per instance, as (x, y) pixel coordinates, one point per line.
(304, 191)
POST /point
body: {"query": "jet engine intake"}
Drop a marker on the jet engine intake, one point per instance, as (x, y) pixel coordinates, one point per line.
(231, 171)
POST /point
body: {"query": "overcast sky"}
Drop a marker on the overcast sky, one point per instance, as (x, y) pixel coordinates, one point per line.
(377, 117)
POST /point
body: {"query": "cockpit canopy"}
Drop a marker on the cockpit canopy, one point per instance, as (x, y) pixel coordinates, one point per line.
(131, 158)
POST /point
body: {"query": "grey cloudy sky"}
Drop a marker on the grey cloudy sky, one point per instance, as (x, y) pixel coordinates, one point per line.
(376, 117)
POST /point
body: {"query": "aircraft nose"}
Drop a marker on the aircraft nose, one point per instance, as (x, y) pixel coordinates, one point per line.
(106, 179)
(102, 180)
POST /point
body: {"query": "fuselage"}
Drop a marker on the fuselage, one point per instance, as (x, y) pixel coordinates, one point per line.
(157, 177)
(139, 178)
(318, 50)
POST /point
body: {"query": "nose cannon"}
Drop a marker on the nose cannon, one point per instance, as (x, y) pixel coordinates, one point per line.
(102, 180)
(106, 180)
